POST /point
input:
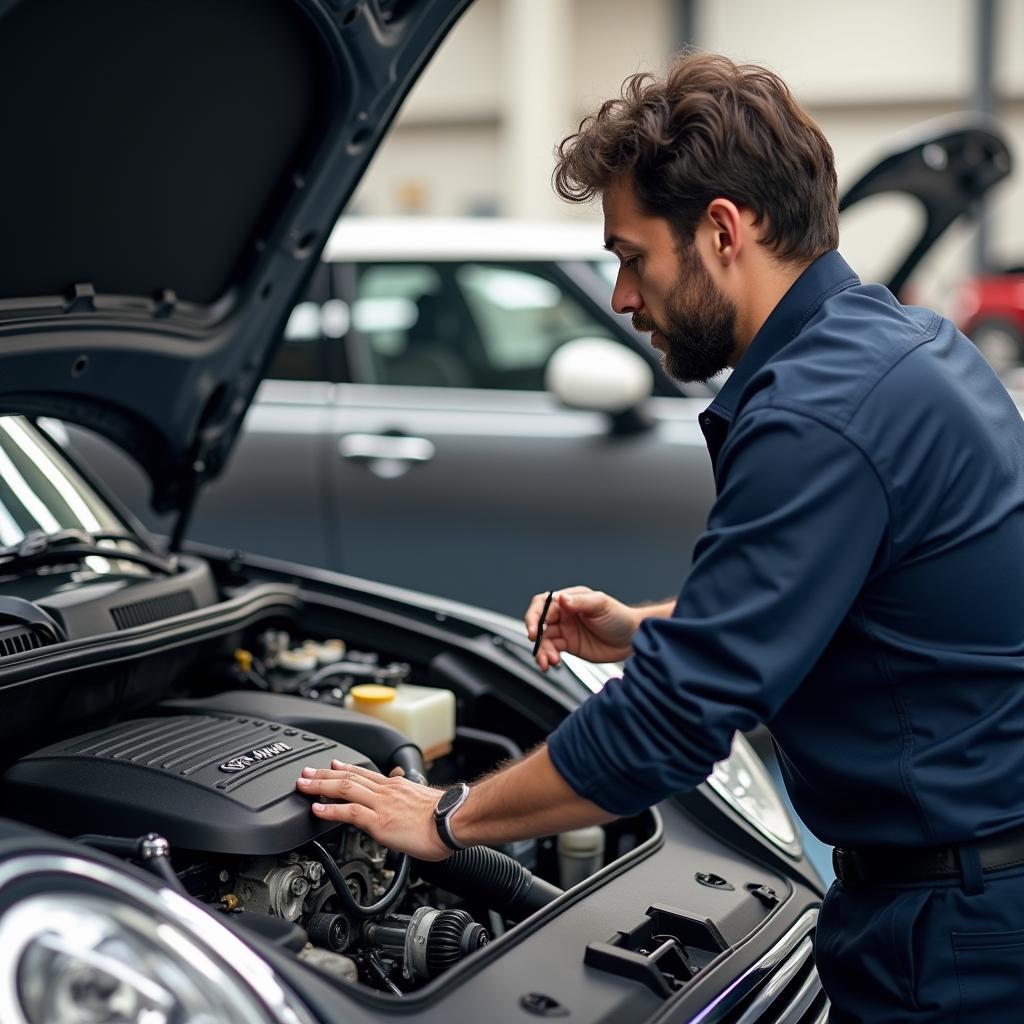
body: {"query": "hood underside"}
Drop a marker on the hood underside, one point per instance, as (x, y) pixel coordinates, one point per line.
(171, 173)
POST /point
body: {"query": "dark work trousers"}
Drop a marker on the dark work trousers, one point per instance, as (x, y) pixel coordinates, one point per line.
(950, 952)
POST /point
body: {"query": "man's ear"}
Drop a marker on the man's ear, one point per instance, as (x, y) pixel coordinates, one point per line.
(727, 229)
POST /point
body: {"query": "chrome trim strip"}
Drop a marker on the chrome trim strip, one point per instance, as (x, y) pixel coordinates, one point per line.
(228, 950)
(727, 1000)
(777, 982)
(802, 1000)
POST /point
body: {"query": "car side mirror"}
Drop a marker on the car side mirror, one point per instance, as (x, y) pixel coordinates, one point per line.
(600, 375)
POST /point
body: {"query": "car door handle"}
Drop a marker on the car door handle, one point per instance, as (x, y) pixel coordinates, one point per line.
(394, 448)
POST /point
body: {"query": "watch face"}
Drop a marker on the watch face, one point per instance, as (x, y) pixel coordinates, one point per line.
(449, 799)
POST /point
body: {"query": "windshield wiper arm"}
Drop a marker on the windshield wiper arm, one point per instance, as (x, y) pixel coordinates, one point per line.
(40, 548)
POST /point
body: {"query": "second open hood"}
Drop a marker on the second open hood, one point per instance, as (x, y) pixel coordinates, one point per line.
(947, 166)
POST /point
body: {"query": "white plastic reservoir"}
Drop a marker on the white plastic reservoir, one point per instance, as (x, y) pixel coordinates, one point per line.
(424, 713)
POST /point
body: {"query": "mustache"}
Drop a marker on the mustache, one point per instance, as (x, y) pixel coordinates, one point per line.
(643, 324)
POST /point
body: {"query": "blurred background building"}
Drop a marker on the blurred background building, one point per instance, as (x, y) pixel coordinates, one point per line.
(476, 136)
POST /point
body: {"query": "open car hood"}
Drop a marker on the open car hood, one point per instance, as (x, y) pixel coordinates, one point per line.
(947, 166)
(171, 173)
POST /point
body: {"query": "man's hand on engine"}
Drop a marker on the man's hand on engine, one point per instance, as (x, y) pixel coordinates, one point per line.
(397, 813)
(524, 800)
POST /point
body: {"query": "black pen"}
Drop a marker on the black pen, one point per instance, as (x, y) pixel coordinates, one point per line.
(540, 624)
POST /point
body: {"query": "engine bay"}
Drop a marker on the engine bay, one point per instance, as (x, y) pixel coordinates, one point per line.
(156, 711)
(156, 742)
(199, 788)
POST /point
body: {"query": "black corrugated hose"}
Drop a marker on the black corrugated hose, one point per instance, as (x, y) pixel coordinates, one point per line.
(492, 878)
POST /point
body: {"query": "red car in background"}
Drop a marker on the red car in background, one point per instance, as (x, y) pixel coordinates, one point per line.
(990, 311)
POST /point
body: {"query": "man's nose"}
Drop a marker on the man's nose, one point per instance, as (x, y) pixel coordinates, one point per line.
(625, 297)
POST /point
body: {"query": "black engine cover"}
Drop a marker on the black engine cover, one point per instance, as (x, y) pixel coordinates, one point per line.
(215, 783)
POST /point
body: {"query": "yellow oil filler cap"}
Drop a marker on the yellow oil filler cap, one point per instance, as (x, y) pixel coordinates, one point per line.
(372, 693)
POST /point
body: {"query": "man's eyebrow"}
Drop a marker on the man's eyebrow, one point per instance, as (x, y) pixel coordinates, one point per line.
(614, 241)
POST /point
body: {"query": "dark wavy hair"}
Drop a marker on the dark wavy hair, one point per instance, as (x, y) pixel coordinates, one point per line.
(710, 128)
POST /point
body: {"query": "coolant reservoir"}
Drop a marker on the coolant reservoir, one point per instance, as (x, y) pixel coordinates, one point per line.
(423, 713)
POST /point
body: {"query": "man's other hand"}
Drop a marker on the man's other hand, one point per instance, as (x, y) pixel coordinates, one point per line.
(584, 622)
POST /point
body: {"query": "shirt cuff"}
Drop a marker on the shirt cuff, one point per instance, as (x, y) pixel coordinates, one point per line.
(579, 749)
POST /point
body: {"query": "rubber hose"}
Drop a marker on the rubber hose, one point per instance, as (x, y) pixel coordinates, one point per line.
(132, 848)
(161, 867)
(491, 877)
(409, 758)
(344, 894)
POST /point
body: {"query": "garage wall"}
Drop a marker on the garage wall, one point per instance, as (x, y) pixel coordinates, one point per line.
(516, 75)
(871, 70)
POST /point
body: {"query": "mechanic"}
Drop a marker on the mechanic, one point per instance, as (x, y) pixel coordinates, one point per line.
(858, 588)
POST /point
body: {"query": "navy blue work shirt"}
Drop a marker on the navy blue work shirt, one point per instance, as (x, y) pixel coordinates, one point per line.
(859, 587)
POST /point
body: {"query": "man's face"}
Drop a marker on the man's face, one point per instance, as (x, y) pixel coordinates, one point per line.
(668, 290)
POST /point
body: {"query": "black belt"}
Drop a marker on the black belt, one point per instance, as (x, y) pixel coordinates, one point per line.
(903, 865)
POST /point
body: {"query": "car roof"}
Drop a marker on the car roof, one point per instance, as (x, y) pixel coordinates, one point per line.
(358, 239)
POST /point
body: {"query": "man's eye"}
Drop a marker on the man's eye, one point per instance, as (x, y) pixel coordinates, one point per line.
(631, 262)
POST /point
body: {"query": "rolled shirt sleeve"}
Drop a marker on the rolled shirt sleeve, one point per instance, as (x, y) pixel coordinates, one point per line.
(799, 525)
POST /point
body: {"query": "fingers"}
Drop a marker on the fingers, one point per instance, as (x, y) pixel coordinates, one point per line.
(533, 613)
(351, 814)
(536, 607)
(338, 789)
(550, 652)
(554, 640)
(536, 610)
(355, 769)
(340, 785)
(373, 780)
(395, 811)
(582, 601)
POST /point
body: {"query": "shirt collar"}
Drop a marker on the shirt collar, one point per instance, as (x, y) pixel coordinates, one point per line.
(828, 274)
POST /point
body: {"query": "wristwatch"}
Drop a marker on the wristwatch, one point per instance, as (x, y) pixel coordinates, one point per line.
(451, 800)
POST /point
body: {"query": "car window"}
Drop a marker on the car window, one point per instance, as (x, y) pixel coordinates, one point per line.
(522, 318)
(414, 326)
(467, 324)
(390, 306)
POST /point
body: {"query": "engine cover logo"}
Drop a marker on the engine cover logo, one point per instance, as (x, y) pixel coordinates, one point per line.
(243, 761)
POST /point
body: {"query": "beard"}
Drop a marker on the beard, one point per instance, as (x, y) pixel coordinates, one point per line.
(699, 324)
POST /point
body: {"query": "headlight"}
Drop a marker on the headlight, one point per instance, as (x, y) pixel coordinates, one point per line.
(743, 783)
(740, 780)
(118, 952)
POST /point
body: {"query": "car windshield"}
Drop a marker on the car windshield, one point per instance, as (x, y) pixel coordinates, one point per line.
(41, 493)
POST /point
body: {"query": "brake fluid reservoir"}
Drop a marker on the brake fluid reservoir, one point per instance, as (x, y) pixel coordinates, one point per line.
(425, 714)
(580, 854)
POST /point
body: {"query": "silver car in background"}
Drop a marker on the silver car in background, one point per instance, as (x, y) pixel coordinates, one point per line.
(414, 427)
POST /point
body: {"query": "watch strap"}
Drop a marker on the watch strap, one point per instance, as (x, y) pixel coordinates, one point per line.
(442, 819)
